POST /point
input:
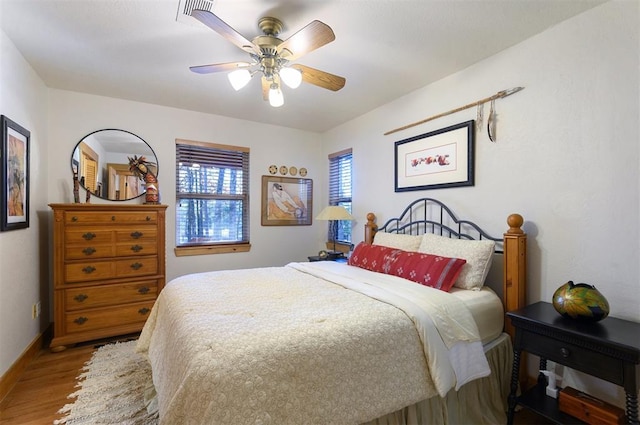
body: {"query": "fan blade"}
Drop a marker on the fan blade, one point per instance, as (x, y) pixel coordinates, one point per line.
(219, 67)
(320, 78)
(222, 28)
(308, 39)
(266, 85)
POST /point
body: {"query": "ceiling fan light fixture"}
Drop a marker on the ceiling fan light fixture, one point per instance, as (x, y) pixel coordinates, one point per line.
(291, 77)
(276, 99)
(239, 78)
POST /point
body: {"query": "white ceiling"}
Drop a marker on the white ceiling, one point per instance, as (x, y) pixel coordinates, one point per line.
(138, 50)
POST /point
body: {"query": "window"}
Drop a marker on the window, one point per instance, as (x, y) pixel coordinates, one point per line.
(340, 191)
(212, 197)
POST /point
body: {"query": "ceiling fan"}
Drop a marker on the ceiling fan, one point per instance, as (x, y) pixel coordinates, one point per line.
(272, 56)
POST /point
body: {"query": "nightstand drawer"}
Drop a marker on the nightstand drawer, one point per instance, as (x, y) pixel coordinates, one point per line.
(574, 356)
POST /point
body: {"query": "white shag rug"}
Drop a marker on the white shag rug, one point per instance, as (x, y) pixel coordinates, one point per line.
(112, 386)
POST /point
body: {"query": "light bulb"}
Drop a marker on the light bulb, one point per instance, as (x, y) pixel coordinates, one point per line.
(239, 78)
(276, 98)
(291, 77)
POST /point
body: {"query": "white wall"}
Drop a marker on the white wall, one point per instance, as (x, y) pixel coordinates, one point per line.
(566, 157)
(23, 253)
(74, 115)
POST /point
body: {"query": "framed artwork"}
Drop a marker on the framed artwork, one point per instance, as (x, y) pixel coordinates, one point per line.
(15, 176)
(286, 201)
(436, 160)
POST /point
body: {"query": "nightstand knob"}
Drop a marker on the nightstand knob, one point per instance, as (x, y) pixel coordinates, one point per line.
(565, 352)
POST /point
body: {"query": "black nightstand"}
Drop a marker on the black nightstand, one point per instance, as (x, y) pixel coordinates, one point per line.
(318, 258)
(609, 349)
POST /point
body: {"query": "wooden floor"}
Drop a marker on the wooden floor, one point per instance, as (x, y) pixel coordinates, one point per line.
(43, 389)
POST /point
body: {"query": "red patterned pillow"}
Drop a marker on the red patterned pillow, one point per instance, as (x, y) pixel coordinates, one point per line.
(435, 271)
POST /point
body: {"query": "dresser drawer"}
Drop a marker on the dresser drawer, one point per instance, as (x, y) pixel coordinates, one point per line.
(102, 318)
(108, 295)
(89, 271)
(88, 235)
(136, 248)
(101, 217)
(89, 251)
(575, 356)
(136, 267)
(137, 234)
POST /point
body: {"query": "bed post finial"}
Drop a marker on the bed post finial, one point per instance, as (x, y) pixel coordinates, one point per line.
(370, 228)
(515, 222)
(515, 267)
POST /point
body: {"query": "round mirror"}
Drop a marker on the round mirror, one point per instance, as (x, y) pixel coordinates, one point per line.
(101, 161)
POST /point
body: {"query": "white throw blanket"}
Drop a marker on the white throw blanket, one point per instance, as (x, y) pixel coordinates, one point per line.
(310, 342)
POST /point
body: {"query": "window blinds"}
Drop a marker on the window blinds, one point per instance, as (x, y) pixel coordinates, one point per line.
(340, 167)
(212, 194)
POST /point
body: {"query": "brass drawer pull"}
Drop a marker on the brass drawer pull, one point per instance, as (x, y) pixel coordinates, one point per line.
(148, 218)
(136, 235)
(143, 290)
(89, 250)
(136, 248)
(89, 269)
(89, 235)
(565, 352)
(113, 218)
(80, 297)
(136, 266)
(74, 218)
(81, 320)
(144, 310)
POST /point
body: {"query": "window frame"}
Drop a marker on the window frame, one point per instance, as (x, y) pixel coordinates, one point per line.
(221, 246)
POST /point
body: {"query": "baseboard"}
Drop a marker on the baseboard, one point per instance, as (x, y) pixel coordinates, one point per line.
(11, 377)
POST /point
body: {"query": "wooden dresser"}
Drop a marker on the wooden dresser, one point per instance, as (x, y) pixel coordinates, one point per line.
(108, 269)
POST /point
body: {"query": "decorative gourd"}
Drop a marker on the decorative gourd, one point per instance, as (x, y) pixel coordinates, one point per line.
(580, 301)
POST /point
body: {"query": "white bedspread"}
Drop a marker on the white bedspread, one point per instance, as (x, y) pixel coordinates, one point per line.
(305, 343)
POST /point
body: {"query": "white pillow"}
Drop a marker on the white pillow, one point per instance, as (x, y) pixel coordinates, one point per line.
(478, 254)
(398, 241)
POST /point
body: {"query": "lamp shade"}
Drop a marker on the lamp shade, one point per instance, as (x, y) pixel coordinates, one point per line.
(239, 78)
(334, 212)
(291, 77)
(276, 99)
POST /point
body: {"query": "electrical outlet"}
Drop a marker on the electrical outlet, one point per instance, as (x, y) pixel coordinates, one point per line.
(35, 310)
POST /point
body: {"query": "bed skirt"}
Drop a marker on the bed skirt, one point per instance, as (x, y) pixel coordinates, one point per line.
(483, 401)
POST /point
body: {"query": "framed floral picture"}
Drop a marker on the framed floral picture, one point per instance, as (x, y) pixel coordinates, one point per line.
(439, 159)
(286, 201)
(14, 168)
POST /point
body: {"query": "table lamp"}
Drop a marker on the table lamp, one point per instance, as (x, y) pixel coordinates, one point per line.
(334, 213)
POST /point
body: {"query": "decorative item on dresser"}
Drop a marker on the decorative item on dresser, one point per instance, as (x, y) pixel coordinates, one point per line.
(141, 168)
(109, 267)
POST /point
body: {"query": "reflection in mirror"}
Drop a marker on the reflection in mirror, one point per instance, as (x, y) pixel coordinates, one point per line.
(101, 160)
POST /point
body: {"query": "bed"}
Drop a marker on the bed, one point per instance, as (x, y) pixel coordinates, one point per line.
(402, 334)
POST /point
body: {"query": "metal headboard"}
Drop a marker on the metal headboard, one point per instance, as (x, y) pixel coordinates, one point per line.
(428, 215)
